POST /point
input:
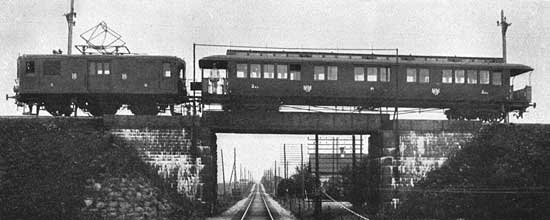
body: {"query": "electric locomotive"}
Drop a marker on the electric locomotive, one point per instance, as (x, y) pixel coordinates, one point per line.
(100, 84)
(468, 87)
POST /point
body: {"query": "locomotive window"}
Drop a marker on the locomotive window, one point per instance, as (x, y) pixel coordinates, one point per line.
(282, 71)
(29, 67)
(166, 70)
(295, 71)
(411, 75)
(459, 76)
(242, 70)
(255, 71)
(332, 73)
(447, 76)
(319, 73)
(52, 67)
(471, 76)
(359, 73)
(384, 74)
(372, 74)
(484, 77)
(424, 76)
(497, 78)
(269, 71)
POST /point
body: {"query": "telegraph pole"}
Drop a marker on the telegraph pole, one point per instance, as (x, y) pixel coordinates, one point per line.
(285, 164)
(275, 179)
(70, 22)
(223, 172)
(302, 169)
(317, 200)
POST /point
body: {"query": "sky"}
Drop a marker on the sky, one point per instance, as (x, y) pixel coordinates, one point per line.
(170, 27)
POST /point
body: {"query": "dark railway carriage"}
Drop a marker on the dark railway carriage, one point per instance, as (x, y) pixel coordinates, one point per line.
(100, 84)
(470, 87)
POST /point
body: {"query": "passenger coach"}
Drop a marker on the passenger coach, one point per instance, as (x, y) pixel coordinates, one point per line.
(469, 87)
(100, 84)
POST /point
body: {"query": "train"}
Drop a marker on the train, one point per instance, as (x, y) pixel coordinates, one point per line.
(467, 87)
(471, 88)
(100, 84)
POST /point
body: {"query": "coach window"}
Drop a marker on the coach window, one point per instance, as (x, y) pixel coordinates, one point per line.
(459, 76)
(447, 76)
(295, 71)
(269, 71)
(332, 73)
(424, 76)
(319, 73)
(52, 67)
(484, 77)
(255, 71)
(29, 67)
(106, 68)
(471, 76)
(166, 70)
(99, 68)
(372, 74)
(411, 75)
(282, 72)
(384, 74)
(497, 78)
(242, 70)
(359, 73)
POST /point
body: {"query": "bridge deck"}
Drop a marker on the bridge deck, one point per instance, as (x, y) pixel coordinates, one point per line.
(293, 122)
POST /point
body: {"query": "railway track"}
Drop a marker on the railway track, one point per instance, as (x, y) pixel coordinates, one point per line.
(257, 208)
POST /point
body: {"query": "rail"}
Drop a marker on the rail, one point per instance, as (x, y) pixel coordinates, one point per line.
(258, 190)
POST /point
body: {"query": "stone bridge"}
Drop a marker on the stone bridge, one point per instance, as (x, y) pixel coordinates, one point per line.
(404, 150)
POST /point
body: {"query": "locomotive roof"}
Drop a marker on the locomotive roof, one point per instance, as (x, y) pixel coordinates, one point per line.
(384, 59)
(100, 56)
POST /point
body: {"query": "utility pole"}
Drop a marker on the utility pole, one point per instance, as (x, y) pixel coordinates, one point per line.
(504, 27)
(333, 158)
(275, 179)
(302, 169)
(317, 200)
(285, 164)
(70, 22)
(353, 170)
(234, 170)
(223, 172)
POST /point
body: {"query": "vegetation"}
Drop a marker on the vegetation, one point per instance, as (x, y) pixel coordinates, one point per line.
(502, 174)
(50, 163)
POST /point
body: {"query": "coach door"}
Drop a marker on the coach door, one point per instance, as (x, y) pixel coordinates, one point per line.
(99, 76)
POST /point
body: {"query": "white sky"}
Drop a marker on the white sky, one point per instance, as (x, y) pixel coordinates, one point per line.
(169, 27)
